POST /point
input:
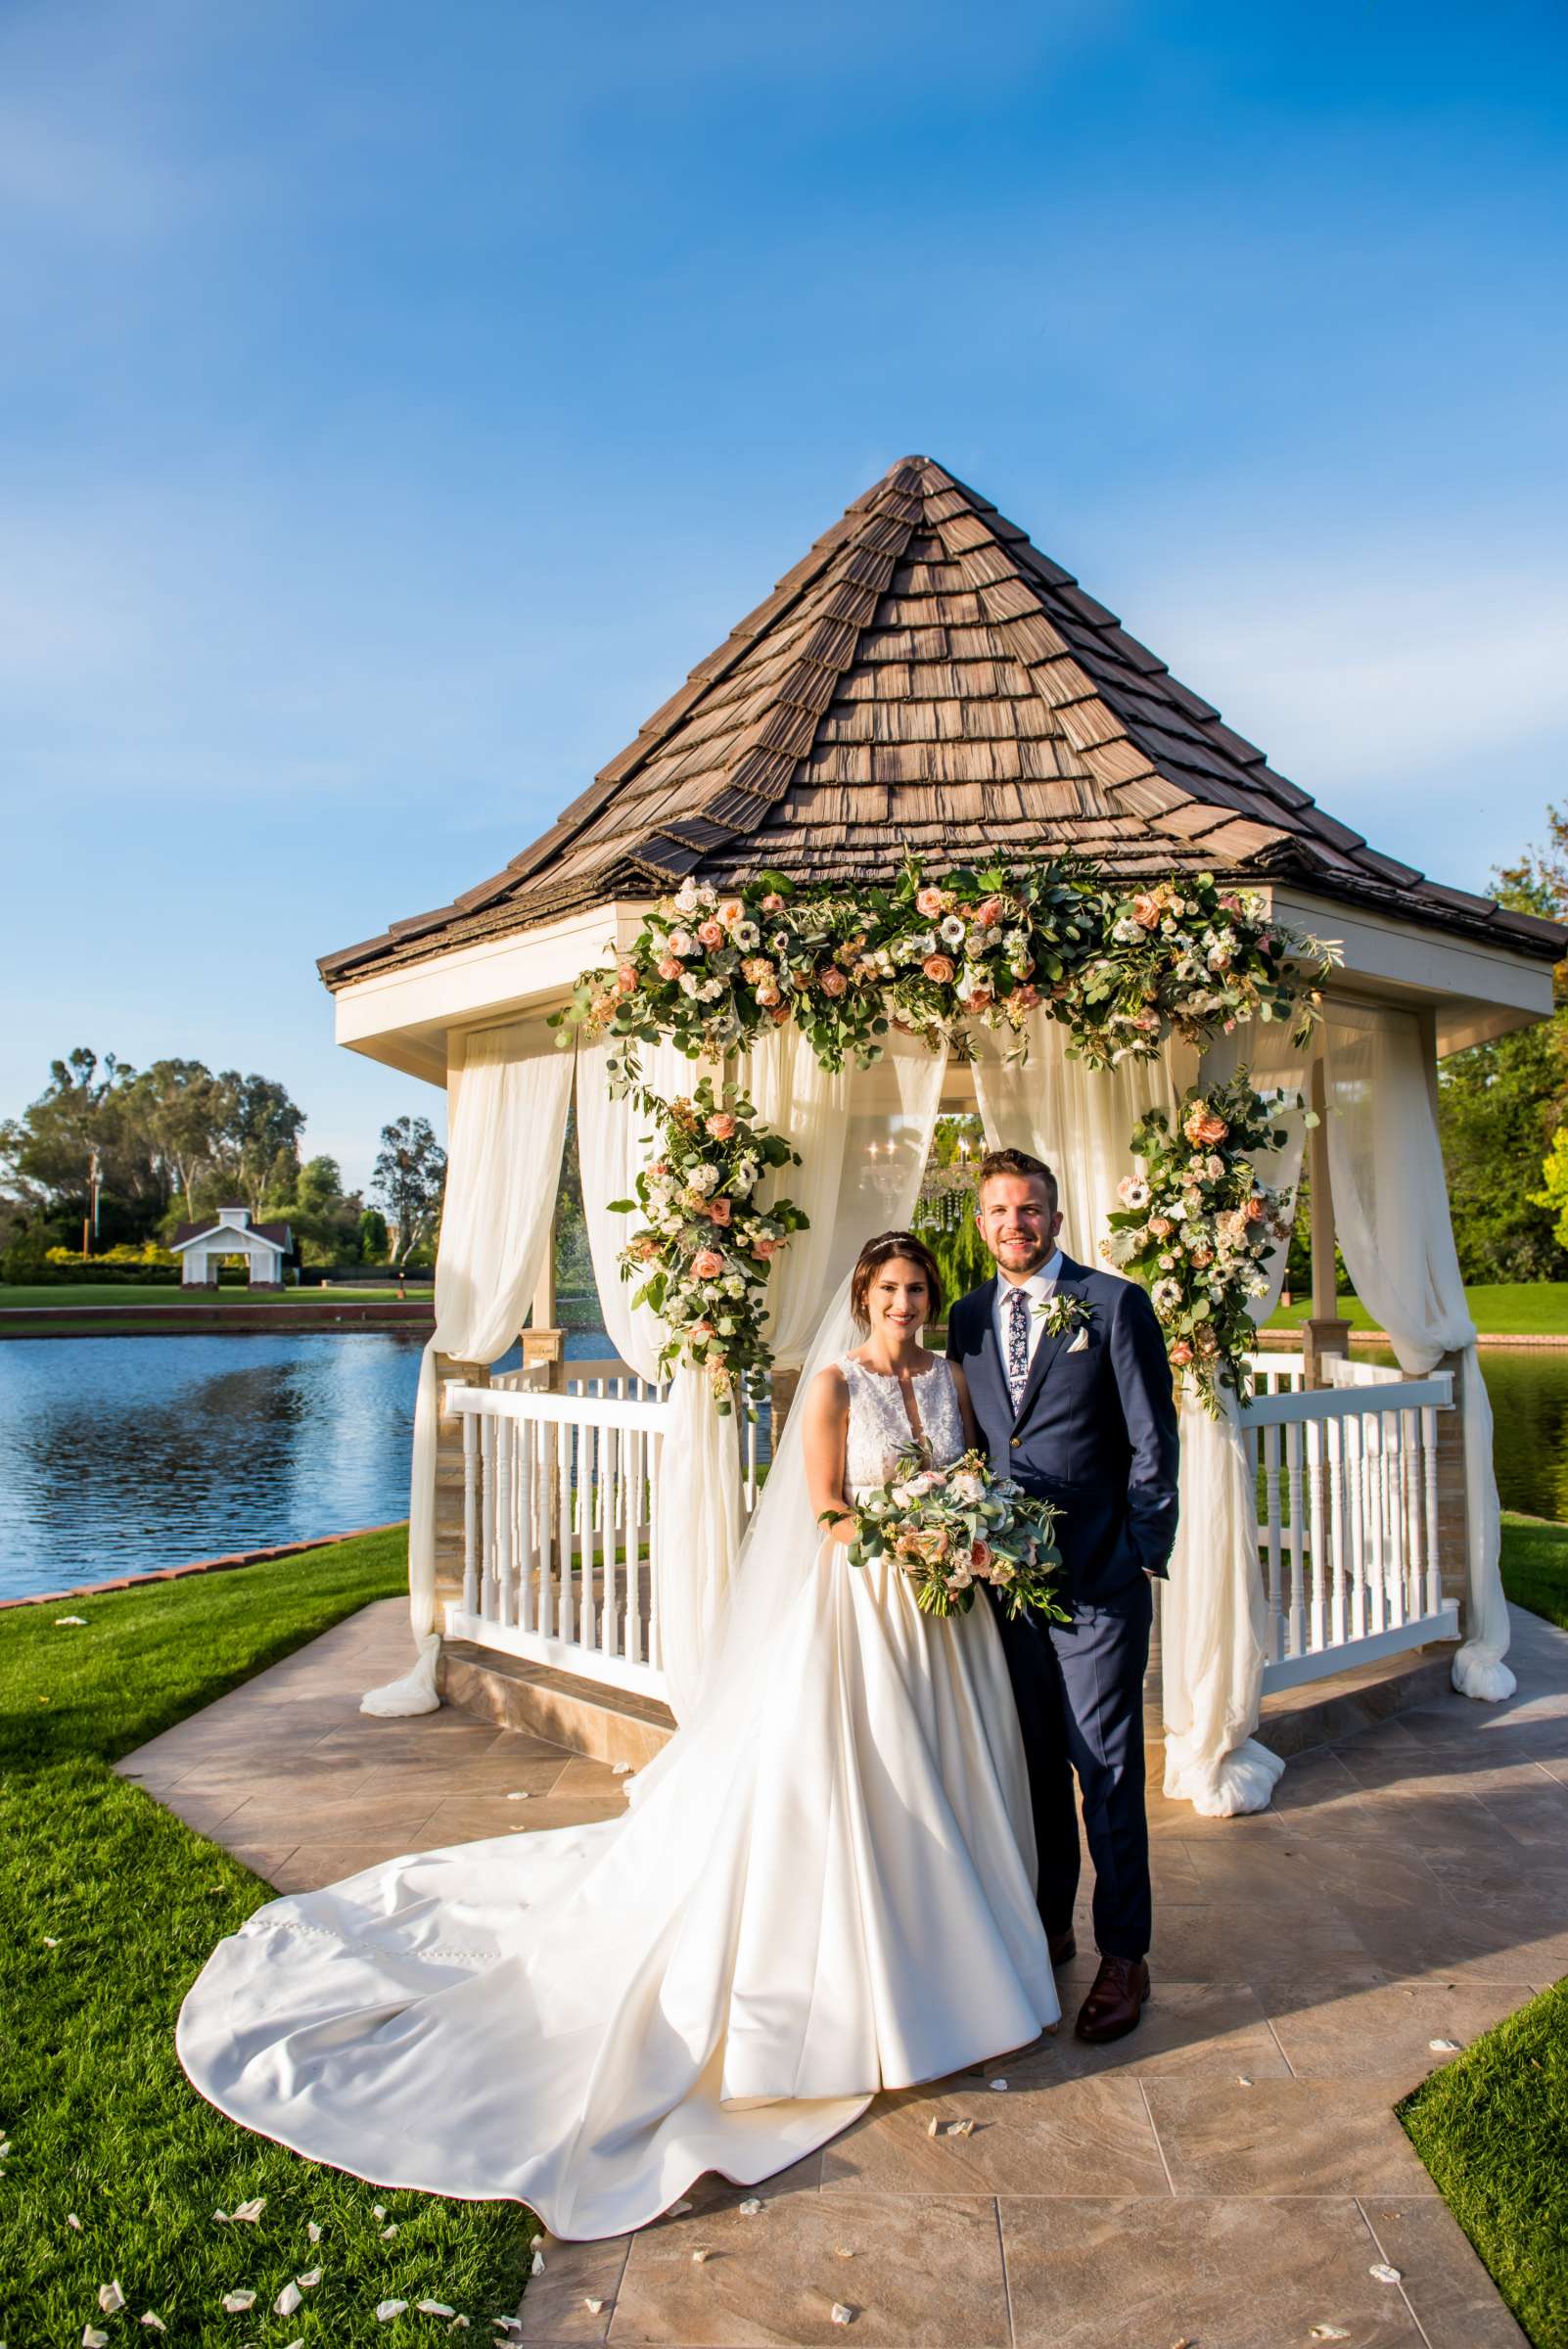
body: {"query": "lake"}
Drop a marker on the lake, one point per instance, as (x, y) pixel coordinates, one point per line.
(121, 1454)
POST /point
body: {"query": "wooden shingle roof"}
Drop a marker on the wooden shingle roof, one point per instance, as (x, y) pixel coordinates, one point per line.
(924, 679)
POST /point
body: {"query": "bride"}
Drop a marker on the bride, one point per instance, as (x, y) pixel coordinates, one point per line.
(824, 1884)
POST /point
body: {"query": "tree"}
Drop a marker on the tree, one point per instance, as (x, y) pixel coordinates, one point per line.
(255, 1122)
(176, 1104)
(410, 1180)
(372, 1240)
(1501, 1105)
(324, 1217)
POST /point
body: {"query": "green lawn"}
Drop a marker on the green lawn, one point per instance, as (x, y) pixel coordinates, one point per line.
(1493, 2129)
(1535, 1566)
(108, 1908)
(151, 1292)
(1520, 1309)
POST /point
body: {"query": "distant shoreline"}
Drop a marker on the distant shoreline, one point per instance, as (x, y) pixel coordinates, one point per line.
(99, 1321)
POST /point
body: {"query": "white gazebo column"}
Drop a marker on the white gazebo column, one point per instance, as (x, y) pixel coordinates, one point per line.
(541, 1341)
(1325, 1336)
(449, 1477)
(1453, 1486)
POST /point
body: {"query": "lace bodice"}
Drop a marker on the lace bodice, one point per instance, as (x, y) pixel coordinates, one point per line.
(879, 1424)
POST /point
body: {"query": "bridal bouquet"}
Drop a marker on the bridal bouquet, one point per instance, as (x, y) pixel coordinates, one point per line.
(950, 1528)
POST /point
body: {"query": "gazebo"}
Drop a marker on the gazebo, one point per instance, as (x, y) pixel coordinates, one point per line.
(923, 682)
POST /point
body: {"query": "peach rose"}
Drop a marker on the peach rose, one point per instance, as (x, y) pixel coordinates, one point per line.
(704, 1330)
(832, 981)
(626, 977)
(778, 1014)
(709, 934)
(1160, 1226)
(765, 1248)
(929, 901)
(1181, 1353)
(772, 902)
(937, 967)
(1203, 1126)
(1146, 912)
(720, 1125)
(980, 1555)
(989, 914)
(645, 1247)
(720, 1210)
(1254, 1211)
(730, 913)
(769, 995)
(977, 999)
(707, 1263)
(669, 967)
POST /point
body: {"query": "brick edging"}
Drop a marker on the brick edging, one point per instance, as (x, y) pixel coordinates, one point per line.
(223, 1565)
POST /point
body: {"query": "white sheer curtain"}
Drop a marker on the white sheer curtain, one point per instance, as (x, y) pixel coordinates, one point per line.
(615, 1143)
(863, 1138)
(1212, 1614)
(1391, 1209)
(507, 1109)
(796, 1096)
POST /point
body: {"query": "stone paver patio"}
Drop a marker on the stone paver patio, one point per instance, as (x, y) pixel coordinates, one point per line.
(1227, 2177)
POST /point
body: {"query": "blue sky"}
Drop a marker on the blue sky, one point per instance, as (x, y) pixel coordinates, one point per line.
(397, 401)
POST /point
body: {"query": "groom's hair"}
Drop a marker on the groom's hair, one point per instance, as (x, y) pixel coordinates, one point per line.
(1016, 1162)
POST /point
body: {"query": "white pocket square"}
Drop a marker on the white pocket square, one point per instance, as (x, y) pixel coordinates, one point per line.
(1080, 1344)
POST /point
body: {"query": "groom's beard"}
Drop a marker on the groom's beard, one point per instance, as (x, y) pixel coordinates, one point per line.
(1019, 1266)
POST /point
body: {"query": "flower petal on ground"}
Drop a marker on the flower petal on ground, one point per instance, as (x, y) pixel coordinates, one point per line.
(843, 2314)
(310, 2279)
(385, 2310)
(92, 2338)
(153, 2321)
(750, 2208)
(111, 2298)
(435, 2308)
(313, 2231)
(1444, 2046)
(1384, 2273)
(235, 2303)
(287, 2300)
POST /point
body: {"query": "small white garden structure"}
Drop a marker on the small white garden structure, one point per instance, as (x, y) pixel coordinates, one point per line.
(925, 681)
(202, 1247)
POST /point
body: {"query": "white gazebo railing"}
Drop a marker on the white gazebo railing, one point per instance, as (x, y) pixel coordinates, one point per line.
(1347, 1515)
(558, 1516)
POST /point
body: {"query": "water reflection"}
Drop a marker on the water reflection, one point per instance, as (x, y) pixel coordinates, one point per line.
(121, 1454)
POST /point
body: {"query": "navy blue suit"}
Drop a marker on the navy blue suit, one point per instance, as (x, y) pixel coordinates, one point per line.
(1096, 1433)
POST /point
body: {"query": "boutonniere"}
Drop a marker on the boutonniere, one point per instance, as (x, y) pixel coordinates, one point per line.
(1063, 1311)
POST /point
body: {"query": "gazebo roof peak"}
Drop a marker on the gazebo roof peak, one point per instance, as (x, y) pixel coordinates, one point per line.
(924, 679)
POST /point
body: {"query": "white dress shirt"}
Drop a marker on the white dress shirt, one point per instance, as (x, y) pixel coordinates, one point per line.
(1037, 1288)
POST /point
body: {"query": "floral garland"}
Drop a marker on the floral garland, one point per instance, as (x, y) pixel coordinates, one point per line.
(713, 970)
(1123, 971)
(706, 1248)
(1196, 1224)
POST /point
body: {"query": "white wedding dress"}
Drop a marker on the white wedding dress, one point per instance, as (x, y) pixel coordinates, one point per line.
(823, 1886)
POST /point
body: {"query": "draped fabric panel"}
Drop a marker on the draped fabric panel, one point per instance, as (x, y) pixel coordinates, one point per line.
(797, 1096)
(507, 1111)
(872, 1133)
(1391, 1208)
(615, 1143)
(1212, 1610)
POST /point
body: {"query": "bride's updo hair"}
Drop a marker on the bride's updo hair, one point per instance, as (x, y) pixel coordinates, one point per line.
(881, 1251)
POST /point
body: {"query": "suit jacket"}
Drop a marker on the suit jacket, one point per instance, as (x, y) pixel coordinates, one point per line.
(1095, 1430)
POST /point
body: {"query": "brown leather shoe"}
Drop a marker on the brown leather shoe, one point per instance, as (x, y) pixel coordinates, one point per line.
(1116, 2002)
(1063, 1946)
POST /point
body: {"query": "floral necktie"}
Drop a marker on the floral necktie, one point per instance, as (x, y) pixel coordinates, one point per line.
(1017, 1345)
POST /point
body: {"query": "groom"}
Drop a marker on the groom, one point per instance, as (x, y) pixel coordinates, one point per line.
(1068, 1376)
